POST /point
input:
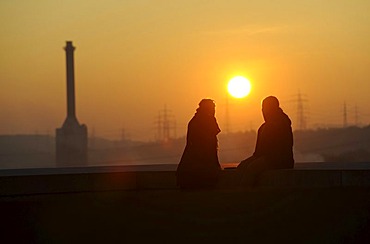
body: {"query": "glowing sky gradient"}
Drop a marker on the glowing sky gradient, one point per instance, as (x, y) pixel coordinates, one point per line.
(134, 57)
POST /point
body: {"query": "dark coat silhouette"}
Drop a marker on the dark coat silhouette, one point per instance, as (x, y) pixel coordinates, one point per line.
(199, 166)
(275, 141)
(274, 145)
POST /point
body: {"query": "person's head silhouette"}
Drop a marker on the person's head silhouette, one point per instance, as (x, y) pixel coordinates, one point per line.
(207, 106)
(270, 107)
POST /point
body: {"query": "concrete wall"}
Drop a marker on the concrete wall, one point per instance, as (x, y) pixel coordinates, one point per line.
(138, 180)
(89, 182)
(316, 178)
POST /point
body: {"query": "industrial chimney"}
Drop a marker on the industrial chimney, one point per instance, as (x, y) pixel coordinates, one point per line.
(71, 138)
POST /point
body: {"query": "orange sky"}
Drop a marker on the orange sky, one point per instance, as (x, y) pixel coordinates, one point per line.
(134, 57)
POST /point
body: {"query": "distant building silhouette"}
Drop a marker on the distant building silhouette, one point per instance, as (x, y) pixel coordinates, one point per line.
(71, 138)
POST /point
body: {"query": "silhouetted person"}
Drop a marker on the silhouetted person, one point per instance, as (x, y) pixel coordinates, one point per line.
(274, 146)
(199, 166)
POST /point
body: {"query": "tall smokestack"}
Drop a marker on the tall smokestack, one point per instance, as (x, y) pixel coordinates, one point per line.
(71, 104)
(71, 138)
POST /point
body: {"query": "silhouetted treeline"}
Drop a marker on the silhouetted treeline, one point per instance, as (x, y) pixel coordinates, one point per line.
(351, 144)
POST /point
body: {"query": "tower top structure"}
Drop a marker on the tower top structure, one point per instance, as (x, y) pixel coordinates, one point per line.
(71, 120)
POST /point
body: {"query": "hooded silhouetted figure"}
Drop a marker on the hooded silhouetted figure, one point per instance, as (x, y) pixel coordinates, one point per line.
(199, 166)
(274, 146)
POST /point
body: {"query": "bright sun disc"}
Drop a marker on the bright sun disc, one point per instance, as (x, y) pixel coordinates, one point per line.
(239, 87)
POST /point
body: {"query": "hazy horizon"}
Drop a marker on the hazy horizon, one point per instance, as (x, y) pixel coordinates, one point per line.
(133, 58)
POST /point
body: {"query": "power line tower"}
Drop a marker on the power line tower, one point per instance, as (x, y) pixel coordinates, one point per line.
(301, 118)
(345, 123)
(166, 125)
(356, 116)
(300, 122)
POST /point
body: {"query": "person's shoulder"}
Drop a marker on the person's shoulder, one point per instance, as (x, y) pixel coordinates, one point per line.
(192, 120)
(285, 119)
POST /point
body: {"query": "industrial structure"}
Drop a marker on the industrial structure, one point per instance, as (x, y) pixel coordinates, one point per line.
(166, 126)
(71, 138)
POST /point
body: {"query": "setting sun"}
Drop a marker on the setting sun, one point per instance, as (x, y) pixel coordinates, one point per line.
(239, 87)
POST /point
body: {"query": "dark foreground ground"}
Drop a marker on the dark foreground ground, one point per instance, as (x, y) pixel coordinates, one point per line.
(339, 215)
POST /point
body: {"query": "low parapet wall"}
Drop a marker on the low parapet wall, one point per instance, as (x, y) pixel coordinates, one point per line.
(308, 178)
(106, 180)
(89, 182)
